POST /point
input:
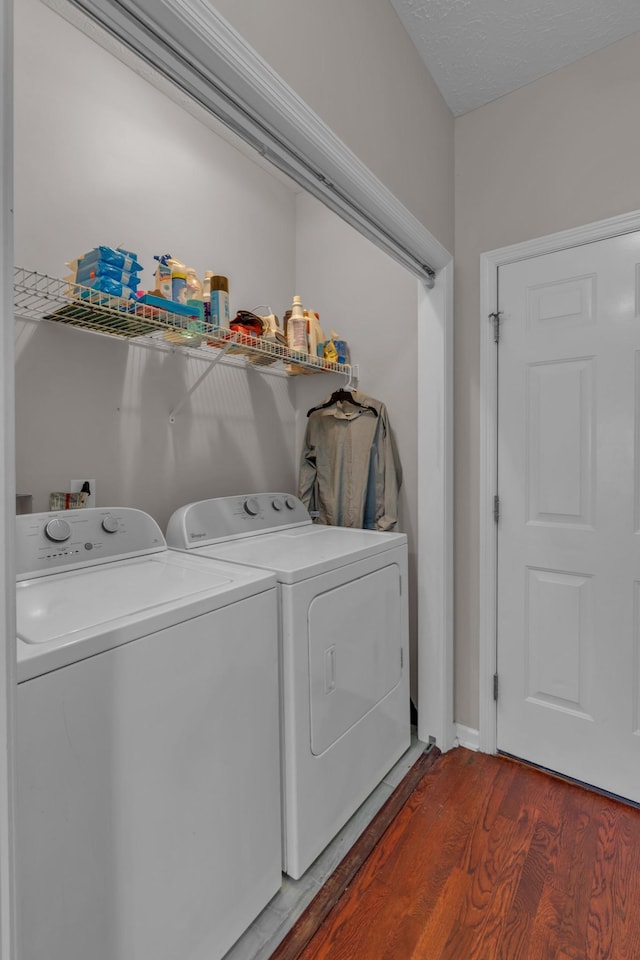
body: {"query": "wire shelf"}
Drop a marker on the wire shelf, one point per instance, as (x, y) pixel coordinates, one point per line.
(40, 297)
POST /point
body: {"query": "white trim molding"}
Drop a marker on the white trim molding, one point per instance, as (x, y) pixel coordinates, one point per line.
(489, 263)
(7, 491)
(467, 737)
(435, 511)
(488, 484)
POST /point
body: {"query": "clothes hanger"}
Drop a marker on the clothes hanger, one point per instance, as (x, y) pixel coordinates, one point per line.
(344, 395)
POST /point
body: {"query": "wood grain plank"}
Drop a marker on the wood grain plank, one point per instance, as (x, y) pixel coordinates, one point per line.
(541, 802)
(626, 887)
(496, 857)
(489, 859)
(321, 906)
(427, 813)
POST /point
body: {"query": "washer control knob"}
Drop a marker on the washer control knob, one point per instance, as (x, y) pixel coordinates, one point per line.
(290, 503)
(57, 530)
(277, 503)
(251, 506)
(110, 524)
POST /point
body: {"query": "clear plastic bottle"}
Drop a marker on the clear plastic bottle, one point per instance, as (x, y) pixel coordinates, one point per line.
(193, 284)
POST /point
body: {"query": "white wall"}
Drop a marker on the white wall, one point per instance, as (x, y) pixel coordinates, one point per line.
(373, 302)
(558, 153)
(354, 64)
(103, 157)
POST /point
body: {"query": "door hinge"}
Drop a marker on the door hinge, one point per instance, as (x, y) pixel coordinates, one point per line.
(496, 508)
(495, 686)
(495, 317)
(401, 658)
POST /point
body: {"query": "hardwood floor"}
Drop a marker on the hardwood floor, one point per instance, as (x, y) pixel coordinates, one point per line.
(491, 860)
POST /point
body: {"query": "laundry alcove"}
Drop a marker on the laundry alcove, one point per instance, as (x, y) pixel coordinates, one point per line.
(103, 155)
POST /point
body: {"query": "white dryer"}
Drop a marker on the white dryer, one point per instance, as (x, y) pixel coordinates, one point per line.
(147, 731)
(344, 651)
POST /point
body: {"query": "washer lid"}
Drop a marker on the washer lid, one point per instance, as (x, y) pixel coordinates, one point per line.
(69, 616)
(307, 551)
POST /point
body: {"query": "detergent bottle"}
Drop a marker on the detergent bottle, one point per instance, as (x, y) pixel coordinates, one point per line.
(178, 280)
(162, 275)
(314, 333)
(297, 328)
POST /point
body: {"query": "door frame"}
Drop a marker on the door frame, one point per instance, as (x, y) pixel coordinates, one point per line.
(488, 556)
(7, 489)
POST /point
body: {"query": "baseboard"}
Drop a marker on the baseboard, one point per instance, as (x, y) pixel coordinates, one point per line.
(467, 737)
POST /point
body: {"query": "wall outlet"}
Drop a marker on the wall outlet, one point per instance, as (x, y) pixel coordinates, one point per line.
(75, 486)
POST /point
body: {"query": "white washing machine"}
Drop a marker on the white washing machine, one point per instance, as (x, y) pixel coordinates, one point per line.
(344, 651)
(147, 731)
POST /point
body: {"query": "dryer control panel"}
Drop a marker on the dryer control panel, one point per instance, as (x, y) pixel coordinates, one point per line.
(68, 539)
(228, 518)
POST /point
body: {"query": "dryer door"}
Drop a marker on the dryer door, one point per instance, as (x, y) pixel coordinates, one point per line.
(355, 652)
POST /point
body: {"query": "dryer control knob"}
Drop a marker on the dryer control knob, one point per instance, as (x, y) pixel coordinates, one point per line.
(57, 530)
(290, 503)
(110, 524)
(251, 506)
(277, 503)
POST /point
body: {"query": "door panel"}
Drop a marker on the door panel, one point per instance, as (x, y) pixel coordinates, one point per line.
(560, 462)
(558, 639)
(568, 537)
(568, 302)
(354, 652)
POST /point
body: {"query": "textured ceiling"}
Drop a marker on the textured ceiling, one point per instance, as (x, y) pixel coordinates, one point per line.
(478, 50)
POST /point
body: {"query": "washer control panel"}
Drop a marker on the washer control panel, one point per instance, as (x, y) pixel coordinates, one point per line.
(57, 530)
(228, 518)
(261, 506)
(49, 542)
